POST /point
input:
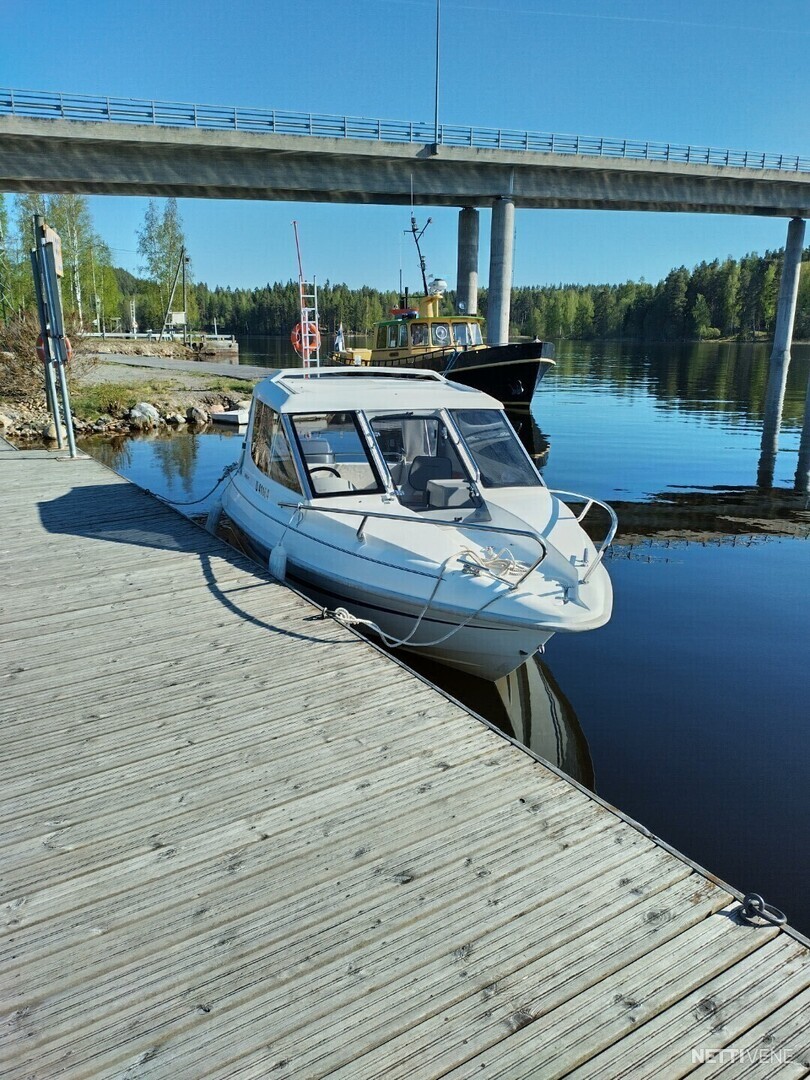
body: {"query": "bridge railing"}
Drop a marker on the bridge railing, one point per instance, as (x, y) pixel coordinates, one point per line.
(44, 105)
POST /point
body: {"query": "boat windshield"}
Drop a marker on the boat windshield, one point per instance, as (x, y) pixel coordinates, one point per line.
(495, 448)
(417, 448)
(335, 454)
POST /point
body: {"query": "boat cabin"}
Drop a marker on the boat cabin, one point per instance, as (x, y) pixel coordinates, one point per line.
(423, 327)
(410, 436)
(413, 331)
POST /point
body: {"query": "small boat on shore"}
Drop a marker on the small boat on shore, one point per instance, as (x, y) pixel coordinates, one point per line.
(407, 504)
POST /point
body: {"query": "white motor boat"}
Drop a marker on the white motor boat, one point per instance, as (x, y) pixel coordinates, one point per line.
(407, 504)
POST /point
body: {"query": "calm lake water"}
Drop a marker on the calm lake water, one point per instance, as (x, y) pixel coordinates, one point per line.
(689, 710)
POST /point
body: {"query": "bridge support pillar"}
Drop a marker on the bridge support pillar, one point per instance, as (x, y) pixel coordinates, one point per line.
(467, 278)
(780, 355)
(500, 271)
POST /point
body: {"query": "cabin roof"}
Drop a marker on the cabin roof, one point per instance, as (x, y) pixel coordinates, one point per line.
(337, 389)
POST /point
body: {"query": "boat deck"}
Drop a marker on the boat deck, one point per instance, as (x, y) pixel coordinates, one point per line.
(239, 841)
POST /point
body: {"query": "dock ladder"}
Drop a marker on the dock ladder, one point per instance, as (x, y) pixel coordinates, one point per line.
(306, 337)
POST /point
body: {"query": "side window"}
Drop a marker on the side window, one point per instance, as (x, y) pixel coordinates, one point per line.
(392, 335)
(381, 337)
(270, 449)
(403, 335)
(261, 436)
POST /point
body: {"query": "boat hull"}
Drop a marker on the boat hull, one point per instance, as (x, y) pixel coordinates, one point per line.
(481, 648)
(454, 624)
(509, 373)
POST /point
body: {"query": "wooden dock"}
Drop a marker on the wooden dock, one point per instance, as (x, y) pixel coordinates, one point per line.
(239, 841)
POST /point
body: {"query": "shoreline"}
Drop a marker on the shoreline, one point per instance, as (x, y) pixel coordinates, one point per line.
(120, 394)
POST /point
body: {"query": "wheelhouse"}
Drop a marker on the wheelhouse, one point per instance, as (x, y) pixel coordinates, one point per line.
(415, 334)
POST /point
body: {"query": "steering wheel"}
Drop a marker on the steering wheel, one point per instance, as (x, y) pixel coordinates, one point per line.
(325, 468)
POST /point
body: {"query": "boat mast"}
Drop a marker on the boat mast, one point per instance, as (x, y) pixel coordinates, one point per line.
(417, 236)
(310, 337)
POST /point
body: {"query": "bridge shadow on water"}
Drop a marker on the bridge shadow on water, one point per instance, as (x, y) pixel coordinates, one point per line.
(111, 513)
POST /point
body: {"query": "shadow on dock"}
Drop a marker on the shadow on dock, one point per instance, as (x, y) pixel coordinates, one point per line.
(124, 514)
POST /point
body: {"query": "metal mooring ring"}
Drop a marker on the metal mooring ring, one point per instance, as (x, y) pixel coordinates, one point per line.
(754, 907)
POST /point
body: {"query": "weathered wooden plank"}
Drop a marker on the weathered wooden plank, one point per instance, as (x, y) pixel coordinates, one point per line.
(720, 1014)
(777, 1046)
(138, 916)
(307, 986)
(82, 849)
(279, 924)
(590, 1021)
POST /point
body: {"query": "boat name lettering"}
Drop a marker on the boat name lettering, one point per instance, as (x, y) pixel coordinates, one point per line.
(262, 490)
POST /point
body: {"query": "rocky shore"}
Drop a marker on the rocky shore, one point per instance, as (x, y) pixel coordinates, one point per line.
(32, 422)
(114, 398)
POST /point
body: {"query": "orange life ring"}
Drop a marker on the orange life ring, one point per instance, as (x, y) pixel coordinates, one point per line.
(308, 332)
(41, 348)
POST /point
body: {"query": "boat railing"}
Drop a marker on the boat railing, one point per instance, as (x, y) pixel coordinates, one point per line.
(589, 503)
(501, 530)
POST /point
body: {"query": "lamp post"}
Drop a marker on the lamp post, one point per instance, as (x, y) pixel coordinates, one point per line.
(438, 24)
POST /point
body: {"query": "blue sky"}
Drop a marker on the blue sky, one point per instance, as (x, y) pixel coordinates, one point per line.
(726, 74)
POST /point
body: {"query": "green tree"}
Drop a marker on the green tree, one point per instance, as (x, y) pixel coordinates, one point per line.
(161, 242)
(701, 317)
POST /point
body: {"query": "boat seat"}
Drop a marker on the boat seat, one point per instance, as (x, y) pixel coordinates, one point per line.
(318, 451)
(424, 468)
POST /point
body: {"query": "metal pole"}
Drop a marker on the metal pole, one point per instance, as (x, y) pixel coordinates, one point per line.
(185, 302)
(50, 382)
(438, 26)
(58, 334)
(171, 296)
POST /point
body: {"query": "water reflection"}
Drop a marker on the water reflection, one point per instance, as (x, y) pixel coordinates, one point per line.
(527, 705)
(723, 380)
(180, 466)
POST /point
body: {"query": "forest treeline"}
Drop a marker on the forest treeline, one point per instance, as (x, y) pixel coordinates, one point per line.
(732, 298)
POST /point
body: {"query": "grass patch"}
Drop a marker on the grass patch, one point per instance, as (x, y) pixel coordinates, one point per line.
(89, 402)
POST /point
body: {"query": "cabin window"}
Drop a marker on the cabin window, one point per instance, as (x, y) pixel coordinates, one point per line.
(441, 333)
(393, 335)
(270, 449)
(403, 335)
(467, 334)
(335, 454)
(461, 334)
(419, 333)
(495, 448)
(382, 337)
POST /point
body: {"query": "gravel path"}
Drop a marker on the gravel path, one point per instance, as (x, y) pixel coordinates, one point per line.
(187, 374)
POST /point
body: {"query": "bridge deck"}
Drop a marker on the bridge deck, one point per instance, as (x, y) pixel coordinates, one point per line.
(239, 841)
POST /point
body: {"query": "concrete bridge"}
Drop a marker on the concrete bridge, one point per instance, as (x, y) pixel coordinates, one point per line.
(122, 146)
